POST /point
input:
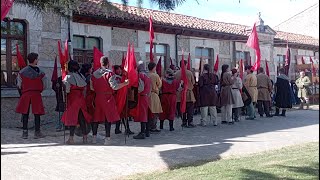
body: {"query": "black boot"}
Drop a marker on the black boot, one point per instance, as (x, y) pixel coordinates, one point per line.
(117, 130)
(129, 132)
(277, 112)
(171, 125)
(161, 124)
(283, 113)
(145, 128)
(141, 135)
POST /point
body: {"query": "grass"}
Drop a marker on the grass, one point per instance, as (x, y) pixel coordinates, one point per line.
(294, 162)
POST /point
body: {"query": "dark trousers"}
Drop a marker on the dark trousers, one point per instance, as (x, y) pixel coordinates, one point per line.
(25, 119)
(82, 123)
(152, 120)
(95, 126)
(125, 122)
(236, 113)
(264, 107)
(187, 117)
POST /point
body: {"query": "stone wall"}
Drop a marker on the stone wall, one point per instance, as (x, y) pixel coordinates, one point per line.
(11, 119)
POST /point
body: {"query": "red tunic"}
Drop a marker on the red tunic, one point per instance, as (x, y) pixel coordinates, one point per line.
(90, 100)
(75, 103)
(169, 100)
(141, 114)
(105, 104)
(31, 94)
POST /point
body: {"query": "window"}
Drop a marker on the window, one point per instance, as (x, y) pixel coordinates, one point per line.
(83, 48)
(245, 56)
(280, 60)
(159, 50)
(13, 32)
(205, 54)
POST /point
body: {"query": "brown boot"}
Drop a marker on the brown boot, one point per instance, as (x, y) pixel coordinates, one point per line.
(301, 106)
(307, 105)
(70, 140)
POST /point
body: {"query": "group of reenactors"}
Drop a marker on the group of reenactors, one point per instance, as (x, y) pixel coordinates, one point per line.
(88, 97)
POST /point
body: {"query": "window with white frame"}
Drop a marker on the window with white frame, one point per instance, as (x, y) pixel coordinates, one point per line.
(83, 48)
(159, 50)
(206, 56)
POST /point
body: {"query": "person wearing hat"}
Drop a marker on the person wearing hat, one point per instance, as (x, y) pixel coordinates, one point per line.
(140, 113)
(168, 98)
(282, 93)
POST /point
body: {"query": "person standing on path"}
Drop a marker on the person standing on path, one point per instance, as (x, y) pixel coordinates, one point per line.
(226, 98)
(282, 91)
(264, 86)
(76, 111)
(141, 111)
(104, 85)
(238, 102)
(208, 95)
(168, 98)
(155, 105)
(187, 118)
(32, 81)
(57, 86)
(303, 83)
(250, 83)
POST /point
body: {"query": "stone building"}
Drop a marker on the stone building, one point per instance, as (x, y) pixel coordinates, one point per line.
(174, 34)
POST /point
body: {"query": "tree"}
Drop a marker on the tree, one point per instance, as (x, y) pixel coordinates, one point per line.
(65, 7)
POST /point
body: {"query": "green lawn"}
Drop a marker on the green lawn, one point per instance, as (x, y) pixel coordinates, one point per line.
(295, 162)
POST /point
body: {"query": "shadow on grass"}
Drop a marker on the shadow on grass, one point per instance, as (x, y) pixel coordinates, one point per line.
(311, 170)
(249, 174)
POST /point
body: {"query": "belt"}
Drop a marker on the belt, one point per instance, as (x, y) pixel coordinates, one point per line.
(252, 86)
(262, 88)
(168, 93)
(108, 93)
(235, 88)
(144, 94)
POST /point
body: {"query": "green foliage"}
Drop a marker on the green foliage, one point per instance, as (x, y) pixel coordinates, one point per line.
(65, 7)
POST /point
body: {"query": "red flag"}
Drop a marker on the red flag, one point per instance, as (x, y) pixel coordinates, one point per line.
(151, 36)
(158, 68)
(302, 60)
(21, 62)
(189, 65)
(313, 68)
(241, 68)
(54, 76)
(5, 7)
(97, 54)
(130, 67)
(253, 42)
(63, 61)
(216, 65)
(184, 78)
(267, 69)
(287, 61)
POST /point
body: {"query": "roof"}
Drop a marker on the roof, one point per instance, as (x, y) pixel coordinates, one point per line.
(130, 13)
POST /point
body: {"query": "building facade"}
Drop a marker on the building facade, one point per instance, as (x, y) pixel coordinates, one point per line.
(175, 35)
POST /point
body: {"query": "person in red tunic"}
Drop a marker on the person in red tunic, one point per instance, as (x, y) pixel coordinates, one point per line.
(124, 118)
(104, 84)
(144, 90)
(76, 111)
(31, 80)
(168, 98)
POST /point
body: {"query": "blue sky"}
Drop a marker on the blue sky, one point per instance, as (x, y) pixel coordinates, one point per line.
(273, 12)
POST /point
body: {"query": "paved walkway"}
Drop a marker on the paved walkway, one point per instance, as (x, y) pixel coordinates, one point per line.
(49, 159)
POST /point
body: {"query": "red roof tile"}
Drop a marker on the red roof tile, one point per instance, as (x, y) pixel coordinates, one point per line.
(94, 8)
